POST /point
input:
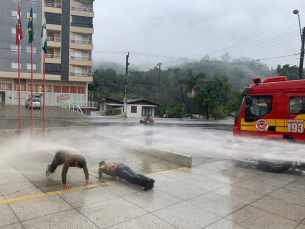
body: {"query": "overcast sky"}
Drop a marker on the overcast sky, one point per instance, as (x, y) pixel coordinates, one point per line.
(192, 28)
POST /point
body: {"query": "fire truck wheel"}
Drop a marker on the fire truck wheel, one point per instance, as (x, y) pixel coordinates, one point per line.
(275, 167)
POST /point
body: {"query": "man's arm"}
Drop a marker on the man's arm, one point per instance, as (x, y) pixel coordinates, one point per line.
(87, 174)
(64, 175)
(100, 173)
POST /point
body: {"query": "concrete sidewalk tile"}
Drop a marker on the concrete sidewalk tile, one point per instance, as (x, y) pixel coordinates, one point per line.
(45, 183)
(87, 196)
(290, 196)
(197, 171)
(282, 208)
(182, 190)
(255, 218)
(152, 200)
(270, 181)
(13, 226)
(256, 186)
(239, 173)
(283, 176)
(22, 193)
(180, 175)
(295, 186)
(66, 219)
(111, 212)
(239, 194)
(206, 183)
(123, 188)
(161, 179)
(15, 187)
(225, 224)
(52, 188)
(185, 215)
(301, 226)
(11, 177)
(7, 216)
(217, 204)
(34, 208)
(144, 222)
(225, 178)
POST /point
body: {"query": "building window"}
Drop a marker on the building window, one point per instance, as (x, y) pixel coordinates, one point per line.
(15, 13)
(28, 15)
(134, 109)
(53, 18)
(28, 49)
(53, 69)
(14, 65)
(81, 21)
(28, 66)
(13, 30)
(14, 48)
(89, 70)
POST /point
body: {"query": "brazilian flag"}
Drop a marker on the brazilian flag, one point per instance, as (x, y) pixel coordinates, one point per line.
(31, 27)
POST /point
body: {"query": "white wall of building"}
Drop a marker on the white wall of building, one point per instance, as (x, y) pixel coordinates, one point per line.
(139, 110)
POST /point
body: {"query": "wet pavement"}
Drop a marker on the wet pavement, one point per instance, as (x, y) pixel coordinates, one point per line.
(215, 193)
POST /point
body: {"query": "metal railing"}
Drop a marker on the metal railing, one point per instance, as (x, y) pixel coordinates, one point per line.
(81, 58)
(70, 106)
(53, 56)
(80, 74)
(79, 8)
(52, 5)
(53, 39)
(81, 42)
(75, 105)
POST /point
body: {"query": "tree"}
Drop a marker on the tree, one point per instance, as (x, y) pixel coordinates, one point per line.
(191, 81)
(221, 85)
(226, 57)
(292, 72)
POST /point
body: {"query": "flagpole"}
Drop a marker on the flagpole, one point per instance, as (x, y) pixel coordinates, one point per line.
(44, 92)
(19, 88)
(32, 83)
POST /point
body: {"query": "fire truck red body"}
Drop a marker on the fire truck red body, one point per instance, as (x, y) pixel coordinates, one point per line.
(273, 110)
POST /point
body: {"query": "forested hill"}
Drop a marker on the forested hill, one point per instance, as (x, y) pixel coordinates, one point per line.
(239, 72)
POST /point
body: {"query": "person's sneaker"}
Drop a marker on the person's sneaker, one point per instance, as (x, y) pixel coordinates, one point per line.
(47, 171)
(147, 185)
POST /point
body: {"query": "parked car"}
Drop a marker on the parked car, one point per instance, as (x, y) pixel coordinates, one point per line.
(36, 103)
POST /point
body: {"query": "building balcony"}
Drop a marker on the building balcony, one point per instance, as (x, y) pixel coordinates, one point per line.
(81, 58)
(53, 56)
(78, 8)
(54, 5)
(81, 42)
(54, 39)
(80, 74)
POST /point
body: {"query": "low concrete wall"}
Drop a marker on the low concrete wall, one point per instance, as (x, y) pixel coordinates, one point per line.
(166, 155)
(55, 129)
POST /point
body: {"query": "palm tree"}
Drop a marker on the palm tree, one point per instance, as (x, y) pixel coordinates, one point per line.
(191, 80)
(222, 85)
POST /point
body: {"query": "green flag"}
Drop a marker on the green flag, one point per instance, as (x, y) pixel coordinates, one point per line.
(44, 36)
(31, 27)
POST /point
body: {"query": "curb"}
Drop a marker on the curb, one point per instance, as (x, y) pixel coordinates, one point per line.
(166, 155)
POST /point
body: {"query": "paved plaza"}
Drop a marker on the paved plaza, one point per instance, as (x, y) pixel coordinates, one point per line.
(213, 195)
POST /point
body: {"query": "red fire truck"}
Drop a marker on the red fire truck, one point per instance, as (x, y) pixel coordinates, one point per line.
(273, 110)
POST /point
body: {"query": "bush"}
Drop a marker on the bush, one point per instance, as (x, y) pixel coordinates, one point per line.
(175, 110)
(109, 112)
(219, 113)
(116, 111)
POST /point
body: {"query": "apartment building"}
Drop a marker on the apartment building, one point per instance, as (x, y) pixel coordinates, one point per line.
(69, 59)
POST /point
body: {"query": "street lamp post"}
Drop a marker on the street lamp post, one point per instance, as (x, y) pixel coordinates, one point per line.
(302, 34)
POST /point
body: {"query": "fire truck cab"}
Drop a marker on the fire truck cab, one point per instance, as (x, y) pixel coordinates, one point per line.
(273, 110)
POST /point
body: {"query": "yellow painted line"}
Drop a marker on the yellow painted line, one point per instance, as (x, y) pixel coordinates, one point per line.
(79, 188)
(166, 171)
(50, 152)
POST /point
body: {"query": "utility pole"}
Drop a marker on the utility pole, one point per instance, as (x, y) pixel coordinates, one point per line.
(302, 46)
(159, 65)
(126, 82)
(302, 55)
